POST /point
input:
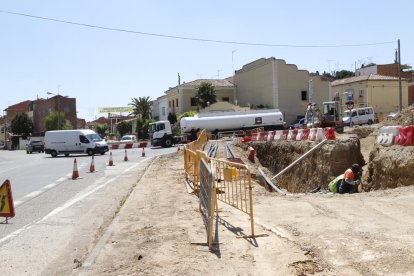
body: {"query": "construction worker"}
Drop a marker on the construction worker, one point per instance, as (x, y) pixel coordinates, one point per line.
(352, 178)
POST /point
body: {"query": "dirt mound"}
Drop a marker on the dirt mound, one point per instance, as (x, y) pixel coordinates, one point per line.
(390, 167)
(361, 131)
(314, 171)
(404, 118)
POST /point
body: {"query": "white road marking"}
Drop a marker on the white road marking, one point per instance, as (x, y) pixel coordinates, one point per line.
(17, 232)
(63, 207)
(75, 200)
(33, 194)
(54, 212)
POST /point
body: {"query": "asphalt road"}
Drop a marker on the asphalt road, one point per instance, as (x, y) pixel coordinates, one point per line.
(43, 190)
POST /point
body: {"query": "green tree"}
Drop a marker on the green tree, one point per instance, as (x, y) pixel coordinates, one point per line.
(21, 124)
(343, 74)
(142, 128)
(190, 113)
(101, 129)
(205, 94)
(142, 107)
(172, 118)
(53, 119)
(124, 127)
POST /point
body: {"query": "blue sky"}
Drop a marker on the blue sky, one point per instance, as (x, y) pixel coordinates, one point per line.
(104, 68)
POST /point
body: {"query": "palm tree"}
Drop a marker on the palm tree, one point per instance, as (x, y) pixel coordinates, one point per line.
(142, 107)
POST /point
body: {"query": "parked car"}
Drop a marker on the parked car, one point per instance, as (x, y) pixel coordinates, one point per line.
(33, 146)
(298, 123)
(129, 138)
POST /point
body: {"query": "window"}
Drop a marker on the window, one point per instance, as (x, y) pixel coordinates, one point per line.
(193, 101)
(354, 113)
(368, 111)
(361, 112)
(169, 104)
(361, 93)
(176, 102)
(83, 139)
(304, 95)
(225, 99)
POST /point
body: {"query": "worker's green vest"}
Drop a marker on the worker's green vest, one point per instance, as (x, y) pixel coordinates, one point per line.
(332, 184)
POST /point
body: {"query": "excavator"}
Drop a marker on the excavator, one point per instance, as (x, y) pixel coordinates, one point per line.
(330, 116)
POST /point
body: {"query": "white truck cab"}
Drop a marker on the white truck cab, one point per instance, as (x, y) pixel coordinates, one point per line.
(161, 134)
(74, 141)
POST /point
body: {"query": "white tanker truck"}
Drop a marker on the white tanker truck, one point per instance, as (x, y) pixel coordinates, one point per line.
(161, 134)
(227, 121)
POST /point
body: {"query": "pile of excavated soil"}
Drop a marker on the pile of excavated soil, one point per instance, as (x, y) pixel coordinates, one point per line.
(315, 170)
(361, 131)
(390, 167)
(404, 118)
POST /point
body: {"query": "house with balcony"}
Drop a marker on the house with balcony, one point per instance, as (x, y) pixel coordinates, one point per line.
(182, 98)
(378, 91)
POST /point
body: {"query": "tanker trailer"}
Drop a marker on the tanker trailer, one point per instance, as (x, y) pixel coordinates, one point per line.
(270, 119)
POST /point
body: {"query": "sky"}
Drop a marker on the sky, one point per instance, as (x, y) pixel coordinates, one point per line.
(103, 67)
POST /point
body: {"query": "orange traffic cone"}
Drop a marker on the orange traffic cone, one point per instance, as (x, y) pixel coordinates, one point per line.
(75, 173)
(111, 162)
(143, 152)
(92, 167)
(126, 156)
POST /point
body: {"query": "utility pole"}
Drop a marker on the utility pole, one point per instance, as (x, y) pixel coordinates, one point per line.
(399, 75)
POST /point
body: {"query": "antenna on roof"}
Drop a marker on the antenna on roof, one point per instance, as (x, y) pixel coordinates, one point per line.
(179, 79)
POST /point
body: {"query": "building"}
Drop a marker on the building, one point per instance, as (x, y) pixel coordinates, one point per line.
(384, 70)
(380, 92)
(272, 83)
(182, 98)
(58, 103)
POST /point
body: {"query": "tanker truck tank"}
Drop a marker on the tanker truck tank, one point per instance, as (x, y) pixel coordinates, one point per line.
(225, 121)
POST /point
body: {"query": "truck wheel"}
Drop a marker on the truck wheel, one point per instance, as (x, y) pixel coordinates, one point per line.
(167, 142)
(27, 152)
(66, 154)
(90, 152)
(53, 153)
(370, 122)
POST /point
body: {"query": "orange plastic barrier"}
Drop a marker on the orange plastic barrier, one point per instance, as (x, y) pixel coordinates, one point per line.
(405, 136)
(330, 133)
(246, 139)
(305, 134)
(250, 153)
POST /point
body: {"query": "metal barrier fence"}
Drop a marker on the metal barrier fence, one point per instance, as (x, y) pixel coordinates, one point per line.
(191, 160)
(234, 186)
(232, 181)
(208, 200)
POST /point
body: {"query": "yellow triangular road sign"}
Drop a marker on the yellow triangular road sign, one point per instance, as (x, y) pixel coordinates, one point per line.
(6, 200)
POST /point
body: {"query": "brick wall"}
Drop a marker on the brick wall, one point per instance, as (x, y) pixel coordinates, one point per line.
(392, 70)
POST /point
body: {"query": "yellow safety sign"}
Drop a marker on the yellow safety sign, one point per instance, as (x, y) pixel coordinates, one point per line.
(6, 200)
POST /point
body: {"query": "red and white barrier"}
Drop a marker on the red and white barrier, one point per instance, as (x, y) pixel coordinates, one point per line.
(405, 136)
(127, 145)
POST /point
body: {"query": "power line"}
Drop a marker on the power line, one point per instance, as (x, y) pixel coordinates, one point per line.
(196, 39)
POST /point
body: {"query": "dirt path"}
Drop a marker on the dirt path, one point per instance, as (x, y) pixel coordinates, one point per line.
(160, 232)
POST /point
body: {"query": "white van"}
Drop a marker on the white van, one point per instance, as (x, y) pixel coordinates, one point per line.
(74, 141)
(360, 116)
